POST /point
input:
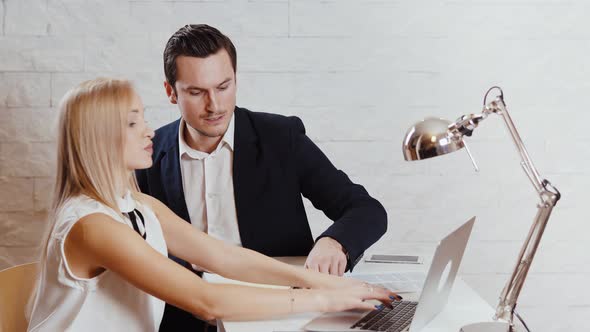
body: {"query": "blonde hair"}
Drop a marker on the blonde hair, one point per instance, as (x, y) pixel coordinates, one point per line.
(90, 146)
(90, 143)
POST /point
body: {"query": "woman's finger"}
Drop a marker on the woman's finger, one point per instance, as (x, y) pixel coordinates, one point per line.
(384, 295)
(364, 306)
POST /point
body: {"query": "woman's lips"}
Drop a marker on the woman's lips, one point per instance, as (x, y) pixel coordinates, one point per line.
(149, 148)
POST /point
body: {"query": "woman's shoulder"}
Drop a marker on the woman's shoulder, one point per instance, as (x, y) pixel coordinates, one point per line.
(81, 204)
(78, 207)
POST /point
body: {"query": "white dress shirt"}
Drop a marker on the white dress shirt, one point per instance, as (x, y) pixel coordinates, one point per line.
(207, 181)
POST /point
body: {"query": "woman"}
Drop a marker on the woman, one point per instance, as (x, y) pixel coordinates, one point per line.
(105, 265)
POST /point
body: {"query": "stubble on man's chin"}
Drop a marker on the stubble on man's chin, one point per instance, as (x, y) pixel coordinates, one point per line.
(211, 135)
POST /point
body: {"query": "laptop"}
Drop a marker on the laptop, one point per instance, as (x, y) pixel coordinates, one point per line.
(407, 315)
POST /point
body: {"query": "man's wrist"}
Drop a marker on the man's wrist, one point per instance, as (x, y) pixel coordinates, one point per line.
(339, 245)
(333, 242)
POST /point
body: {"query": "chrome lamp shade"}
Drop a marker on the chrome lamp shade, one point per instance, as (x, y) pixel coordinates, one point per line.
(429, 138)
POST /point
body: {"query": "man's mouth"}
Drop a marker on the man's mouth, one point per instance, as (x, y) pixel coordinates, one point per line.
(214, 118)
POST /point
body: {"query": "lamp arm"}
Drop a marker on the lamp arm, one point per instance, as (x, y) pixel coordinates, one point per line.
(499, 107)
(465, 125)
(511, 291)
(549, 196)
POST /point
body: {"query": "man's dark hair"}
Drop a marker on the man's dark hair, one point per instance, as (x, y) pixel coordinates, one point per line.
(196, 40)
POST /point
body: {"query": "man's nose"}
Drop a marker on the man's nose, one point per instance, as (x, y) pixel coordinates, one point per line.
(212, 105)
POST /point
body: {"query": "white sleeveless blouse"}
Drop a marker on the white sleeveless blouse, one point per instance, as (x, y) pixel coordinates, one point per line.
(65, 302)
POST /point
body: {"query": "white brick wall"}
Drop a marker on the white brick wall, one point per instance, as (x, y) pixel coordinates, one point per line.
(24, 89)
(41, 54)
(358, 73)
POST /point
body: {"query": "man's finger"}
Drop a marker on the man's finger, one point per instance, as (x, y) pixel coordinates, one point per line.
(341, 266)
(336, 267)
(325, 267)
(312, 266)
(333, 268)
(309, 262)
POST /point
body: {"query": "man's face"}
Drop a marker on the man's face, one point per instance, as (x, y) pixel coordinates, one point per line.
(205, 92)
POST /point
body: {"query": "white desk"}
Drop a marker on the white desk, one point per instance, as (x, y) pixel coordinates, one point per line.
(464, 305)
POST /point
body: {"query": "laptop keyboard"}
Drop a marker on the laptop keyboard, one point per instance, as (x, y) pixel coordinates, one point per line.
(389, 320)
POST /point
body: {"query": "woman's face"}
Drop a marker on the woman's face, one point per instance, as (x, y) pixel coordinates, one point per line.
(138, 143)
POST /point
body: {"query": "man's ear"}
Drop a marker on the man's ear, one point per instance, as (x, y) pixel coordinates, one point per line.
(170, 92)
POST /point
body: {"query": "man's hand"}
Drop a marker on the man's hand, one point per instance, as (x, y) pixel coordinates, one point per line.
(327, 256)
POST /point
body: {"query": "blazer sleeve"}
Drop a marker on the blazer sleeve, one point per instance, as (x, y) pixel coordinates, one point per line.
(359, 219)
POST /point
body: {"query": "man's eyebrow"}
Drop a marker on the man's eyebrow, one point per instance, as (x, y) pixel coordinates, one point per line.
(135, 111)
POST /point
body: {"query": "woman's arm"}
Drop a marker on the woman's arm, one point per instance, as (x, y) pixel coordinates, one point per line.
(194, 246)
(104, 243)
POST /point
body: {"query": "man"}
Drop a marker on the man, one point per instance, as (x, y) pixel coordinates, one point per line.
(239, 175)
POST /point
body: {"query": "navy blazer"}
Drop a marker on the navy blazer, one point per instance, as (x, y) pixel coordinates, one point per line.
(274, 164)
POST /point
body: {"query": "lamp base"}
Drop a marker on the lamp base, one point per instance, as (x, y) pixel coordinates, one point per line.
(488, 327)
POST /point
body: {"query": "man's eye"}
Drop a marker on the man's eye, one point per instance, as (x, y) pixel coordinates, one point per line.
(131, 124)
(195, 93)
(223, 87)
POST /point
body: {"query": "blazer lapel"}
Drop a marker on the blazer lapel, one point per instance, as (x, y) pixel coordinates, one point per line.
(249, 176)
(173, 188)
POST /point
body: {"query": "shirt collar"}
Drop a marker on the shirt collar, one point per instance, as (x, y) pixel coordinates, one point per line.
(126, 203)
(227, 139)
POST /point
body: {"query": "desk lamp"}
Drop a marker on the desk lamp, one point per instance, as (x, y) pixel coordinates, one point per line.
(434, 137)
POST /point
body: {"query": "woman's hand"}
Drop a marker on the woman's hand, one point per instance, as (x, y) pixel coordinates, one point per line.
(338, 284)
(355, 297)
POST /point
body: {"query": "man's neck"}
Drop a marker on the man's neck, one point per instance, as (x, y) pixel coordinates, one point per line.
(200, 142)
